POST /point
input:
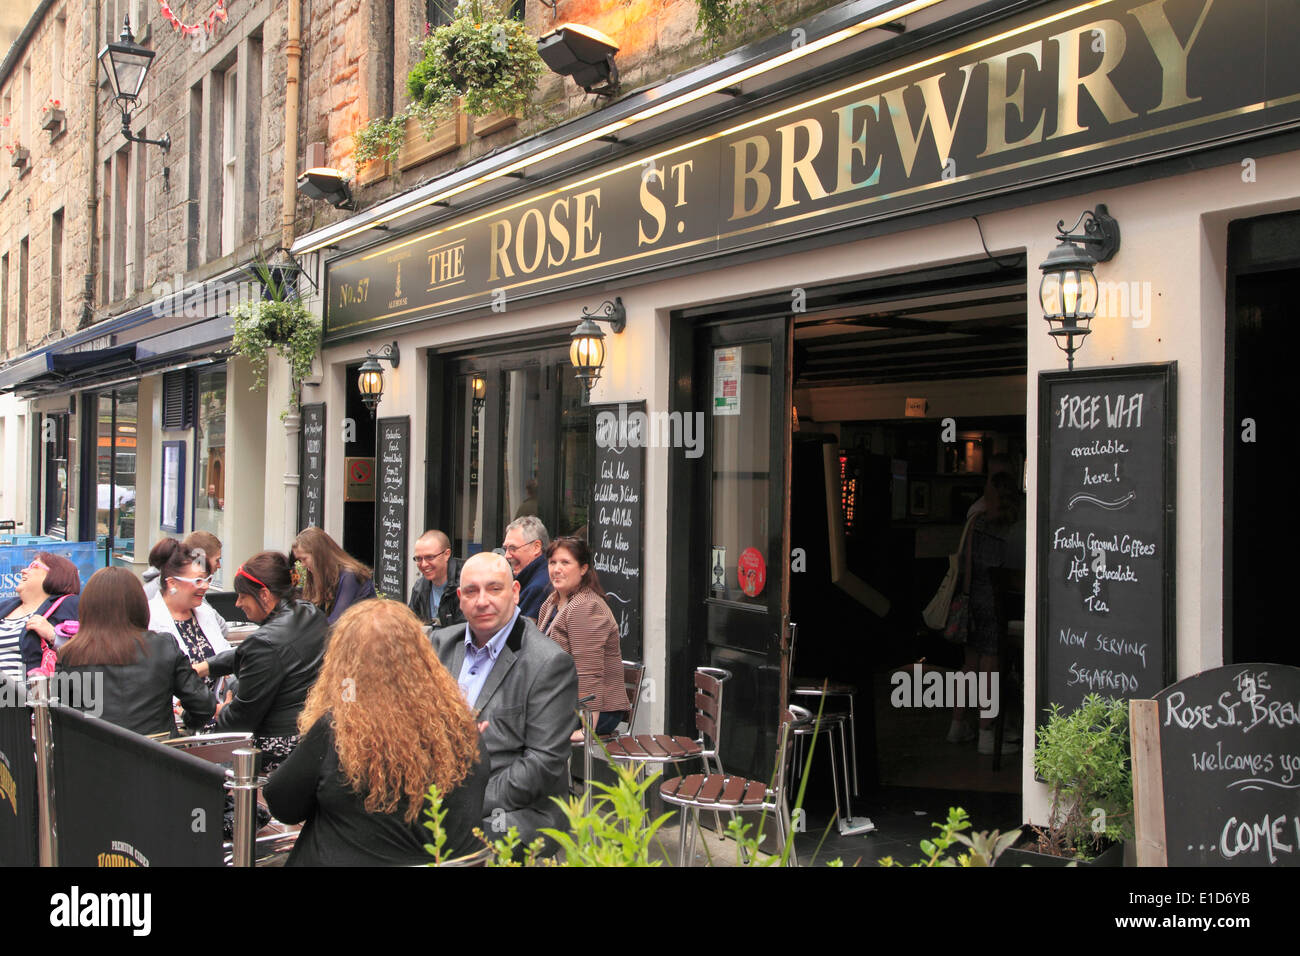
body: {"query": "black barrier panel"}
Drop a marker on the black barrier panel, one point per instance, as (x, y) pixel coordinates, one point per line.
(17, 779)
(124, 800)
(1230, 759)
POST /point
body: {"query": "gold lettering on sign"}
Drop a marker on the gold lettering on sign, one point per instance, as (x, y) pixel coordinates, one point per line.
(803, 165)
(850, 144)
(529, 265)
(559, 232)
(582, 222)
(500, 242)
(934, 113)
(1000, 100)
(745, 173)
(678, 172)
(1171, 54)
(446, 264)
(1097, 83)
(653, 205)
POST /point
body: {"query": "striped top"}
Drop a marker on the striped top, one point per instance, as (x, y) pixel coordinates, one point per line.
(11, 657)
(586, 629)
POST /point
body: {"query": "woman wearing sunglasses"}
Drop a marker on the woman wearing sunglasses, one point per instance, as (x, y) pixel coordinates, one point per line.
(47, 596)
(277, 664)
(179, 609)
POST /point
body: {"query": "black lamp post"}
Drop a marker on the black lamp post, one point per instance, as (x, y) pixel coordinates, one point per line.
(587, 341)
(370, 377)
(126, 64)
(1068, 290)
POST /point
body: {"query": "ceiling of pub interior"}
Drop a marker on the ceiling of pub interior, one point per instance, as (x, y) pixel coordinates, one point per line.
(963, 328)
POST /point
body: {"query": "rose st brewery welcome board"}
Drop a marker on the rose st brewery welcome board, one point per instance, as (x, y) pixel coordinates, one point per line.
(1105, 533)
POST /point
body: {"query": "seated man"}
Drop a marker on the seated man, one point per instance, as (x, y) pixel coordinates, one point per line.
(525, 687)
(525, 546)
(433, 596)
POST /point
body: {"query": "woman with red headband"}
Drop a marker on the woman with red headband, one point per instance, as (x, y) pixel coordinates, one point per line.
(277, 664)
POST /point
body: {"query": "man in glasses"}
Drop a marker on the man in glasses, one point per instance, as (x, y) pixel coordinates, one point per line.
(433, 596)
(525, 546)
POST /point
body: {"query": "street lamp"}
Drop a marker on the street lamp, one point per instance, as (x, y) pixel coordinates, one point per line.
(587, 341)
(126, 64)
(1068, 290)
(370, 377)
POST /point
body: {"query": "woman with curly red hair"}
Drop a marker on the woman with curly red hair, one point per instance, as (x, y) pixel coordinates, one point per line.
(384, 721)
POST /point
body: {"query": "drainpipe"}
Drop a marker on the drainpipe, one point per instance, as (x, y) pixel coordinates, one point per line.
(92, 178)
(292, 421)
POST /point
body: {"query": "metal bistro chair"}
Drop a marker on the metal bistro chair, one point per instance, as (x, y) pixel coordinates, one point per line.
(633, 676)
(739, 794)
(645, 749)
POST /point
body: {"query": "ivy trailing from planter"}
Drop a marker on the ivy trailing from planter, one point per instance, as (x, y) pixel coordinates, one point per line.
(277, 321)
(717, 19)
(380, 139)
(484, 58)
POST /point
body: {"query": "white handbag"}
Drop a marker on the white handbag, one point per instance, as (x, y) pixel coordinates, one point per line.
(935, 614)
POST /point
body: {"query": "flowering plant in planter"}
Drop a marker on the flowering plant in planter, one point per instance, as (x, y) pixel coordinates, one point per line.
(279, 321)
(51, 104)
(483, 56)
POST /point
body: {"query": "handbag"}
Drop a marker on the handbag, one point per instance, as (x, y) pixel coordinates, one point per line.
(936, 613)
(49, 658)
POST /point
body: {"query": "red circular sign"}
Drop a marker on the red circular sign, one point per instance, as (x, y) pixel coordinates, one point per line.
(361, 471)
(752, 572)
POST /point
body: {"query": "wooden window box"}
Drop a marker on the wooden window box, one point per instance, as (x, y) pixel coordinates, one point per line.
(372, 172)
(447, 137)
(487, 125)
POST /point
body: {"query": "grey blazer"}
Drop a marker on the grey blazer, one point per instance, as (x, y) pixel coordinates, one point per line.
(529, 700)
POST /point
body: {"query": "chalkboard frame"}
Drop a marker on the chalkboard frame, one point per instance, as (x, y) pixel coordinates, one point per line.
(404, 422)
(634, 649)
(1166, 376)
(307, 411)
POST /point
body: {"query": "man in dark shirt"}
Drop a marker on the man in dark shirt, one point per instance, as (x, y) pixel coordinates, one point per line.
(433, 596)
(525, 546)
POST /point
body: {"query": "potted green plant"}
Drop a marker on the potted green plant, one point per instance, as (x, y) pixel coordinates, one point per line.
(1083, 757)
(482, 62)
(277, 320)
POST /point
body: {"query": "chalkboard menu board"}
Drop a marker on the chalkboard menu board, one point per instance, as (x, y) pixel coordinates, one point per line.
(615, 519)
(311, 468)
(1105, 533)
(1230, 762)
(393, 454)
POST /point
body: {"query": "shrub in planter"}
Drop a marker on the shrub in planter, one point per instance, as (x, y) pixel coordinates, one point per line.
(483, 56)
(281, 322)
(1084, 758)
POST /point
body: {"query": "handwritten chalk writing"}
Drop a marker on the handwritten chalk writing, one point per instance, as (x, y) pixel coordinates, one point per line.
(1206, 761)
(1269, 835)
(1121, 647)
(1096, 678)
(1086, 411)
(1099, 447)
(1070, 639)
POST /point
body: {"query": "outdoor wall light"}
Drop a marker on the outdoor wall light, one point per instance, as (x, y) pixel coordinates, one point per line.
(1068, 290)
(370, 377)
(328, 184)
(587, 55)
(587, 341)
(126, 64)
(479, 384)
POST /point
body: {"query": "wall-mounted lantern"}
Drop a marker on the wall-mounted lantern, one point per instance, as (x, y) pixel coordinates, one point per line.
(370, 377)
(126, 65)
(1068, 290)
(587, 341)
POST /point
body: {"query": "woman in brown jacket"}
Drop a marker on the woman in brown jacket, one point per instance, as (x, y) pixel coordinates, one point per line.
(577, 618)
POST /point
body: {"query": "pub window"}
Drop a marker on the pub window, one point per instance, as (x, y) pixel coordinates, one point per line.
(210, 451)
(229, 161)
(54, 438)
(56, 270)
(4, 304)
(24, 267)
(116, 428)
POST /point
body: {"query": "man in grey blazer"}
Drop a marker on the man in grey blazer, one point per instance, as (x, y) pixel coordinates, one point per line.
(526, 688)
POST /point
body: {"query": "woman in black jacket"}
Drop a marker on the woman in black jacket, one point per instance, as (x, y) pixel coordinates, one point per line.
(47, 597)
(277, 664)
(132, 673)
(384, 722)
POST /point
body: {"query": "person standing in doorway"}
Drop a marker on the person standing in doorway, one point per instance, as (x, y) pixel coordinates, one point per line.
(433, 596)
(525, 543)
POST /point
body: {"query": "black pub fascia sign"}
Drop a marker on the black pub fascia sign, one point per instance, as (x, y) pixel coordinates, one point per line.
(1056, 92)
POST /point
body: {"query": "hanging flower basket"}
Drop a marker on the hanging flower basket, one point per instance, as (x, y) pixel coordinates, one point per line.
(281, 321)
(483, 56)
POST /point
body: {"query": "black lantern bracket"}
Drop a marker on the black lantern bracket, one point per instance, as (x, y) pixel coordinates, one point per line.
(389, 353)
(1100, 232)
(127, 99)
(609, 311)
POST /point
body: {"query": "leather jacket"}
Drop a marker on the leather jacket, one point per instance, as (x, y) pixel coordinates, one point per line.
(276, 666)
(448, 611)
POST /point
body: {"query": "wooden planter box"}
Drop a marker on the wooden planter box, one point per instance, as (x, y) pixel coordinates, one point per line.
(372, 172)
(447, 137)
(486, 125)
(1024, 856)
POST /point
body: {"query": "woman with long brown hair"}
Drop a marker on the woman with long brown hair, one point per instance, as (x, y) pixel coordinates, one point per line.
(384, 721)
(141, 670)
(335, 579)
